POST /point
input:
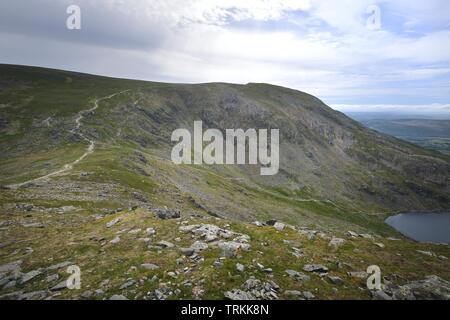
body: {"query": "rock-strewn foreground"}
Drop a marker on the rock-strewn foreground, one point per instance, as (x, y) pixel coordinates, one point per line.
(145, 254)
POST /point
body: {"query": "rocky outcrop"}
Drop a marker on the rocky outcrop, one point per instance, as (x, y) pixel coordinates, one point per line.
(254, 289)
(430, 288)
(167, 214)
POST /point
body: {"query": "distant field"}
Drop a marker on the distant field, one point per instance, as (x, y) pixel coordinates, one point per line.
(428, 133)
(439, 144)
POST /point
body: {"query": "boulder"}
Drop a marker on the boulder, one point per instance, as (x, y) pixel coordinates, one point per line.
(298, 276)
(431, 288)
(230, 248)
(240, 267)
(149, 266)
(30, 275)
(336, 243)
(335, 280)
(198, 246)
(167, 214)
(279, 226)
(165, 244)
(318, 268)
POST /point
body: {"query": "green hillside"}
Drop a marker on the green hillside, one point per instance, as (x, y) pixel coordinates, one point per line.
(79, 151)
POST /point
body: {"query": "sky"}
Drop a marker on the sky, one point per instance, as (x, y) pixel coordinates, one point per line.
(355, 55)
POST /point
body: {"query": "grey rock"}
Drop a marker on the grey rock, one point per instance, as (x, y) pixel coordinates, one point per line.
(59, 266)
(426, 253)
(238, 294)
(10, 267)
(279, 226)
(335, 280)
(293, 293)
(127, 284)
(115, 240)
(25, 206)
(52, 278)
(112, 222)
(37, 225)
(336, 242)
(298, 276)
(431, 288)
(87, 294)
(30, 275)
(352, 234)
(187, 251)
(66, 209)
(240, 267)
(308, 295)
(149, 266)
(139, 197)
(118, 297)
(5, 223)
(209, 232)
(165, 244)
(10, 284)
(134, 231)
(357, 274)
(230, 248)
(35, 295)
(199, 246)
(318, 268)
(167, 214)
(254, 289)
(60, 286)
(99, 292)
(380, 295)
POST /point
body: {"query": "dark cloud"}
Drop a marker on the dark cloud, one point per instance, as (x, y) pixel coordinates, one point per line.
(101, 26)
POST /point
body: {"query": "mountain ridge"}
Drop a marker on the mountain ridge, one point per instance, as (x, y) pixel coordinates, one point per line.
(369, 172)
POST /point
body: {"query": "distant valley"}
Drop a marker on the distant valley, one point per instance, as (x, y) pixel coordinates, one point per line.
(425, 131)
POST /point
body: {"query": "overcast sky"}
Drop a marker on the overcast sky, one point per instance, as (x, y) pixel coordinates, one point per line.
(335, 50)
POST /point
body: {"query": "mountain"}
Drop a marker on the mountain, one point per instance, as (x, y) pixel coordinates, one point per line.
(332, 169)
(87, 183)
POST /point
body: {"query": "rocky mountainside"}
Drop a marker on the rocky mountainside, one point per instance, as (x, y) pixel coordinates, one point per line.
(328, 162)
(85, 168)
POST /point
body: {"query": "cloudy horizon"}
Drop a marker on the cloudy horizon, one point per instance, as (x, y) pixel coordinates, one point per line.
(340, 52)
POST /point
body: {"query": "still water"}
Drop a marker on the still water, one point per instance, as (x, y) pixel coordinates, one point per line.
(423, 227)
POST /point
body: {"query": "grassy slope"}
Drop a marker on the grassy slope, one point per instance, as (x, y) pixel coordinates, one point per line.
(82, 244)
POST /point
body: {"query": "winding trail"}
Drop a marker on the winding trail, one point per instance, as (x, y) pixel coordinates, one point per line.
(90, 149)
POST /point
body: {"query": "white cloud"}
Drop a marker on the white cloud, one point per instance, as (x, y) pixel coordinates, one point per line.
(322, 47)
